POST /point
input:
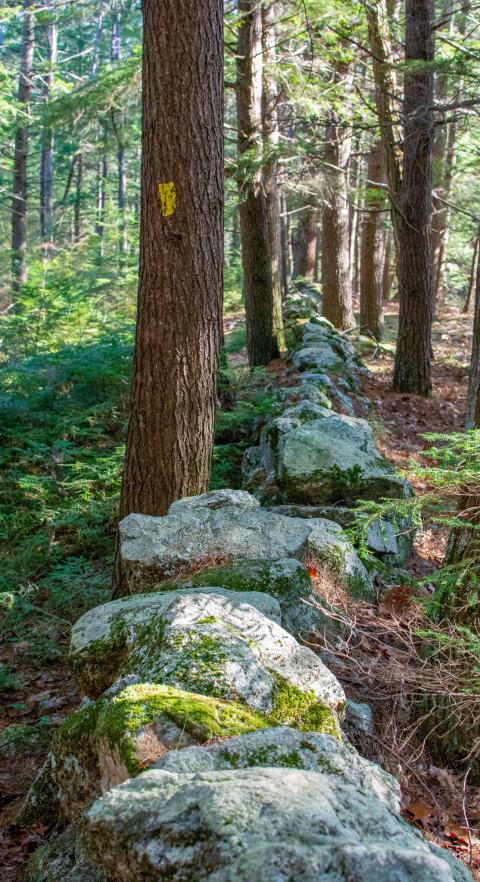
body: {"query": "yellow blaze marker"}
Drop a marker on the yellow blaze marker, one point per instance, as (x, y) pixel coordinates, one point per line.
(168, 198)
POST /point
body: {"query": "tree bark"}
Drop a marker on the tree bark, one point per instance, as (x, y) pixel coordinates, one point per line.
(336, 277)
(472, 282)
(77, 208)
(170, 434)
(102, 174)
(412, 371)
(285, 243)
(305, 244)
(372, 256)
(46, 155)
(262, 342)
(388, 264)
(444, 160)
(270, 165)
(473, 408)
(118, 128)
(20, 157)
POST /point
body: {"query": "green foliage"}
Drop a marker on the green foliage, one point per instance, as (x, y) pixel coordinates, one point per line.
(64, 418)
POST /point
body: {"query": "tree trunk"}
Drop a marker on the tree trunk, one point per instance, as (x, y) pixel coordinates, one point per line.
(472, 282)
(473, 408)
(46, 155)
(371, 273)
(262, 342)
(444, 159)
(285, 243)
(20, 157)
(305, 244)
(270, 165)
(118, 128)
(77, 208)
(170, 434)
(336, 277)
(412, 371)
(388, 267)
(102, 173)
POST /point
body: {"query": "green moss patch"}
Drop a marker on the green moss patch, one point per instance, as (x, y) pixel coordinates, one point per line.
(303, 710)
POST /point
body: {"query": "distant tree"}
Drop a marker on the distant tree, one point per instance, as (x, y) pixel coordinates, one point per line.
(257, 225)
(170, 434)
(305, 243)
(46, 153)
(372, 255)
(20, 156)
(336, 271)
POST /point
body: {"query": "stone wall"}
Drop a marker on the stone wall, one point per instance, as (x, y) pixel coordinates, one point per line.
(211, 744)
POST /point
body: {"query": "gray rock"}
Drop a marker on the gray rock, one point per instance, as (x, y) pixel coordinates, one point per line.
(214, 644)
(62, 860)
(156, 549)
(253, 470)
(334, 459)
(214, 499)
(358, 716)
(391, 541)
(256, 825)
(322, 357)
(303, 611)
(285, 747)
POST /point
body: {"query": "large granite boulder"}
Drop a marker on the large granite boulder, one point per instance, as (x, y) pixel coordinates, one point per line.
(288, 748)
(331, 459)
(213, 643)
(257, 825)
(200, 532)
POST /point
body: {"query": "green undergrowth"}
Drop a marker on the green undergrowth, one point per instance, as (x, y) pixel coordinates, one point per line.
(63, 418)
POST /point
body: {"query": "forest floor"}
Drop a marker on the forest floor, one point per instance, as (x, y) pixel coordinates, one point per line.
(435, 800)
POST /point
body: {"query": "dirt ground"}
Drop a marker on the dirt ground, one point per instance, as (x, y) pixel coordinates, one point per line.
(433, 799)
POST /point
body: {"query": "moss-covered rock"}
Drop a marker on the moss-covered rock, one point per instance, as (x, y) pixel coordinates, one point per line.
(210, 643)
(42, 805)
(103, 638)
(63, 860)
(107, 741)
(333, 459)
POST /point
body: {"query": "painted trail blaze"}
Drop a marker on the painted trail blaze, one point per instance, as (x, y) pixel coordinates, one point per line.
(168, 198)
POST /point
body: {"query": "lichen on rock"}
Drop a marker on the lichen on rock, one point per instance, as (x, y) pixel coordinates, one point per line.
(257, 825)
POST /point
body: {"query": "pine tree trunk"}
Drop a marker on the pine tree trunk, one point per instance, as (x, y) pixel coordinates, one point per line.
(412, 371)
(170, 434)
(388, 267)
(77, 208)
(270, 166)
(336, 277)
(305, 245)
(20, 156)
(473, 408)
(262, 342)
(118, 126)
(472, 282)
(371, 274)
(285, 243)
(46, 155)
